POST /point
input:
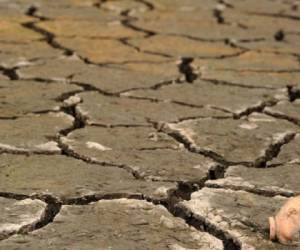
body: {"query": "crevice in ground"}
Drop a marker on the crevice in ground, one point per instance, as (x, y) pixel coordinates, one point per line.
(267, 192)
(108, 63)
(128, 23)
(49, 37)
(151, 99)
(157, 53)
(227, 83)
(204, 225)
(276, 15)
(41, 80)
(9, 149)
(88, 199)
(9, 117)
(66, 95)
(150, 6)
(9, 195)
(273, 149)
(278, 71)
(221, 57)
(51, 210)
(89, 87)
(49, 214)
(292, 54)
(195, 38)
(95, 124)
(282, 116)
(79, 121)
(225, 110)
(42, 112)
(234, 43)
(70, 152)
(182, 137)
(153, 87)
(125, 41)
(259, 107)
(270, 152)
(32, 11)
(192, 118)
(157, 148)
(226, 4)
(11, 73)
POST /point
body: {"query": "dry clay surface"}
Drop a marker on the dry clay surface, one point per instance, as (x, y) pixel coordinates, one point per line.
(147, 124)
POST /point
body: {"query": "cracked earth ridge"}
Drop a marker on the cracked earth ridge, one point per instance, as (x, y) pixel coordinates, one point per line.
(239, 90)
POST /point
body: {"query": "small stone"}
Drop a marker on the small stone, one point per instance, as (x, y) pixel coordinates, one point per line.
(279, 35)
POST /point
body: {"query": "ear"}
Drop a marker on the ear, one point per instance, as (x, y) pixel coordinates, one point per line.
(272, 228)
(291, 211)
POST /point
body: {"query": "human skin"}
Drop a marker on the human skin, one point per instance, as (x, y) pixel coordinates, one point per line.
(286, 224)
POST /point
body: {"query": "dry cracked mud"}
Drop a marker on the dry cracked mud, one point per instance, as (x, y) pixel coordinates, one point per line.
(147, 124)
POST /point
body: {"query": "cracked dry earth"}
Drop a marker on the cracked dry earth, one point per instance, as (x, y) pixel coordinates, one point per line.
(147, 124)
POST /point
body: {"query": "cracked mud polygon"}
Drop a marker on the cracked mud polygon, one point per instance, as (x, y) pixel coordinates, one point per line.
(147, 124)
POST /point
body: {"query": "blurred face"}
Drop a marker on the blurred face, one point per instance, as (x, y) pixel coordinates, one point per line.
(287, 222)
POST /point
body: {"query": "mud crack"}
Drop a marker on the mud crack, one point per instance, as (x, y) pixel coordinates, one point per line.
(11, 73)
(255, 108)
(202, 224)
(150, 6)
(49, 38)
(70, 152)
(237, 184)
(183, 137)
(227, 83)
(273, 149)
(49, 213)
(276, 15)
(127, 22)
(79, 120)
(283, 116)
